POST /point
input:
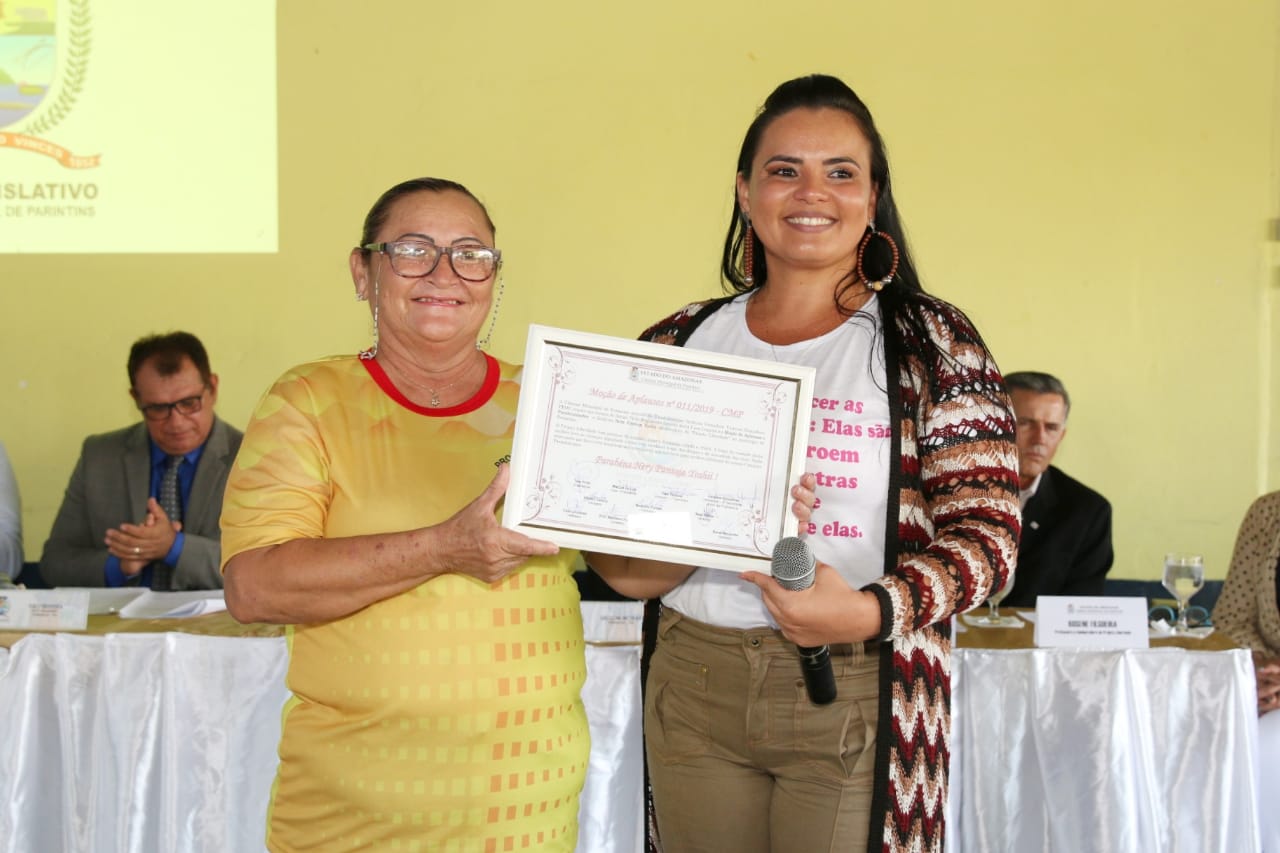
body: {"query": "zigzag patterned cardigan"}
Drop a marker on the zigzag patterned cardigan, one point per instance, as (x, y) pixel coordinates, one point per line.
(951, 533)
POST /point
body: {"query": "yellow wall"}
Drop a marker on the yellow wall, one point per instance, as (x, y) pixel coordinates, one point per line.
(1094, 184)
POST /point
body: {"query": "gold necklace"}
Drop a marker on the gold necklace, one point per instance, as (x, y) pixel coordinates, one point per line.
(434, 402)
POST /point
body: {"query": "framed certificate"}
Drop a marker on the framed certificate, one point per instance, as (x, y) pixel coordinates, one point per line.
(667, 453)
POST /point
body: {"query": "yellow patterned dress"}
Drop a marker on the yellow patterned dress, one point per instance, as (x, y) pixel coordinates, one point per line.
(446, 718)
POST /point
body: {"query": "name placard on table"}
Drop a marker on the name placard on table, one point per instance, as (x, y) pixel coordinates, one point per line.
(1093, 622)
(44, 609)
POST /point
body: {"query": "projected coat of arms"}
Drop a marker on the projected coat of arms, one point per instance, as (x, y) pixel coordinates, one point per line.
(28, 58)
(106, 124)
(44, 58)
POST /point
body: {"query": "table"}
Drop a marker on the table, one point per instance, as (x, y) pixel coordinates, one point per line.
(160, 735)
(1052, 749)
(1150, 750)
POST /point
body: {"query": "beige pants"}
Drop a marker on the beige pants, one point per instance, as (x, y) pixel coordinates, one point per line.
(740, 760)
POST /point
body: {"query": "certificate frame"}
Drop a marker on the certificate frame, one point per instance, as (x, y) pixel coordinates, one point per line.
(659, 452)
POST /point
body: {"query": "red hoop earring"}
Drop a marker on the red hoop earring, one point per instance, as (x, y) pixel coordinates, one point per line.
(748, 256)
(876, 284)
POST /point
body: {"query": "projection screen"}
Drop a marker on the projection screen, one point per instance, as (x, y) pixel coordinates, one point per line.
(137, 126)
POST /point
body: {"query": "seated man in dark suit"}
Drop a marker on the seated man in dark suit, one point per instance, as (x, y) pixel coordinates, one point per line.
(1066, 526)
(143, 504)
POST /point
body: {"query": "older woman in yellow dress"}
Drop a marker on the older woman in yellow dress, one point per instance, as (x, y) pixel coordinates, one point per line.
(436, 658)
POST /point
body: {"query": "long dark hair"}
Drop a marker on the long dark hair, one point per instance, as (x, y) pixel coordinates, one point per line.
(903, 300)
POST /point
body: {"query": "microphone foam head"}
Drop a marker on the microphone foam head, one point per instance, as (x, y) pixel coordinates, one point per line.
(793, 563)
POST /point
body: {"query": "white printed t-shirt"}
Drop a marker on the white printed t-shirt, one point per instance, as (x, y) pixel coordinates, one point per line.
(849, 444)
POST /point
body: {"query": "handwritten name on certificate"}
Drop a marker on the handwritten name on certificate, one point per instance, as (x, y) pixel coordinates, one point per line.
(667, 453)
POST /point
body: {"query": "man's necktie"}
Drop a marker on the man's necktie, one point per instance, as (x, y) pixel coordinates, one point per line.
(170, 499)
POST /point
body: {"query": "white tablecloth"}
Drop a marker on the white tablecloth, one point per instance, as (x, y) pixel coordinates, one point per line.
(1076, 751)
(166, 743)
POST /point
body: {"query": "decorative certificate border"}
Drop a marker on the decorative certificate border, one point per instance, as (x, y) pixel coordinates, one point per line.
(646, 450)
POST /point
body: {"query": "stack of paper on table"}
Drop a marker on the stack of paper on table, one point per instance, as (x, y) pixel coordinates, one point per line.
(174, 605)
(110, 599)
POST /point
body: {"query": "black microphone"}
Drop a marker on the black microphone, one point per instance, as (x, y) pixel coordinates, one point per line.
(794, 568)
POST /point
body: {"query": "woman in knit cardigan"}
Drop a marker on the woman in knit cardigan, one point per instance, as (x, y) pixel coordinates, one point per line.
(913, 462)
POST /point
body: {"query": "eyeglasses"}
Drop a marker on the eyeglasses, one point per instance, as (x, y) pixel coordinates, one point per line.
(161, 411)
(418, 258)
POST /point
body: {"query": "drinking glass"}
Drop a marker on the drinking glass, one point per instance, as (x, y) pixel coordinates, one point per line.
(1183, 577)
(993, 619)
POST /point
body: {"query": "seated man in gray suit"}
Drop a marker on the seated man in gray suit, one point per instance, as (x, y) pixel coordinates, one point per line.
(1066, 526)
(143, 504)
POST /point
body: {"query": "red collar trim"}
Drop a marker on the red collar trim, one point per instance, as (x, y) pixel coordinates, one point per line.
(484, 395)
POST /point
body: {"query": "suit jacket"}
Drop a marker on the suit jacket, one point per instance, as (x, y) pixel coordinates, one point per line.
(1066, 541)
(110, 486)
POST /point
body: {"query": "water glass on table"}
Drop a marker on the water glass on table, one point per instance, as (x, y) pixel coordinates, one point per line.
(993, 619)
(1183, 578)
